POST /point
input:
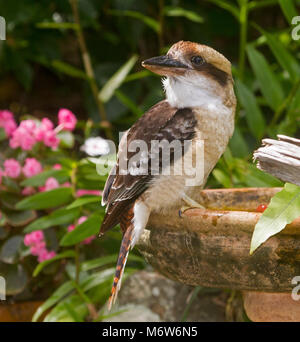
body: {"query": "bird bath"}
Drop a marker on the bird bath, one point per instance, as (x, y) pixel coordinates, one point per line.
(211, 248)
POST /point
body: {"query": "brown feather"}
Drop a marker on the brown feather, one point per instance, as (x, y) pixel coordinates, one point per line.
(127, 229)
(161, 122)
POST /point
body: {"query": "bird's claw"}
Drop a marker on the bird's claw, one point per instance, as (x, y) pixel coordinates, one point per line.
(184, 208)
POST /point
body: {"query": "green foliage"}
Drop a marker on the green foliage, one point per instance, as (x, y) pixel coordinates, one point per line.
(55, 218)
(47, 199)
(83, 230)
(104, 71)
(116, 80)
(282, 210)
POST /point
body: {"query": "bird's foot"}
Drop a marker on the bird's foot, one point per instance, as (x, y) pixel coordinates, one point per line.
(190, 203)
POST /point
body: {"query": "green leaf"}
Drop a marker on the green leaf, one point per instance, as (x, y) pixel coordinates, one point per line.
(283, 56)
(60, 314)
(60, 293)
(88, 228)
(11, 185)
(238, 144)
(56, 218)
(228, 7)
(97, 278)
(2, 134)
(181, 12)
(282, 210)
(268, 83)
(288, 9)
(63, 255)
(137, 75)
(68, 69)
(99, 262)
(10, 249)
(56, 26)
(254, 115)
(72, 313)
(152, 23)
(84, 200)
(116, 80)
(106, 260)
(19, 218)
(222, 178)
(9, 199)
(46, 199)
(253, 5)
(40, 179)
(294, 107)
(15, 276)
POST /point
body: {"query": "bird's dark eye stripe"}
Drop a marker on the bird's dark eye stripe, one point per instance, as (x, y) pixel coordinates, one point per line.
(198, 60)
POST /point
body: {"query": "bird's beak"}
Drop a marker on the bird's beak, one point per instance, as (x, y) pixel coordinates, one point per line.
(165, 66)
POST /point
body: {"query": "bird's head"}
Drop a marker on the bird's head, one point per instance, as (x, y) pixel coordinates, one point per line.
(189, 64)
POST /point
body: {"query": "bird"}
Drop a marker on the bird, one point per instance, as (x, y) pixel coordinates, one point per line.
(199, 106)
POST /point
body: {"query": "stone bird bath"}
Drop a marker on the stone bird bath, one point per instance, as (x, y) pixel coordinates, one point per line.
(211, 248)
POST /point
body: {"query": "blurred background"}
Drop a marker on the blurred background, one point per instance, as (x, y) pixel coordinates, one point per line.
(85, 55)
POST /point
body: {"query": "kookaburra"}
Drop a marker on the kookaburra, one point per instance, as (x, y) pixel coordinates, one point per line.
(199, 106)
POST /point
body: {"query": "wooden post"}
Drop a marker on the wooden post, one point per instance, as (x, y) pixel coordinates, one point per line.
(280, 158)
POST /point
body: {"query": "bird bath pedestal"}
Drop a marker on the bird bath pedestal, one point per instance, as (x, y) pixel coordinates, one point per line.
(211, 248)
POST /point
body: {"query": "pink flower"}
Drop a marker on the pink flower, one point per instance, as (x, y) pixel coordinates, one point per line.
(28, 190)
(32, 167)
(82, 192)
(51, 183)
(50, 139)
(23, 138)
(45, 126)
(27, 240)
(88, 240)
(12, 168)
(37, 244)
(37, 236)
(33, 238)
(7, 121)
(82, 219)
(66, 119)
(45, 255)
(28, 125)
(38, 248)
(71, 227)
(66, 185)
(57, 167)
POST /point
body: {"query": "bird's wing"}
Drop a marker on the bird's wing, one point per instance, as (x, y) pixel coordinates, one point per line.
(161, 122)
(109, 181)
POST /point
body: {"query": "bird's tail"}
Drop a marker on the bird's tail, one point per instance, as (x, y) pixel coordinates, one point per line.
(127, 228)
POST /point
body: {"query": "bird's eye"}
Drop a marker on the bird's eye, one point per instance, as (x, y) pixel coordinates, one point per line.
(197, 60)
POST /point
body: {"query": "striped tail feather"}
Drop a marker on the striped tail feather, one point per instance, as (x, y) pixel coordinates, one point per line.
(127, 228)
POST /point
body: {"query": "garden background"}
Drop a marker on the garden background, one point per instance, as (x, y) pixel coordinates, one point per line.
(71, 70)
